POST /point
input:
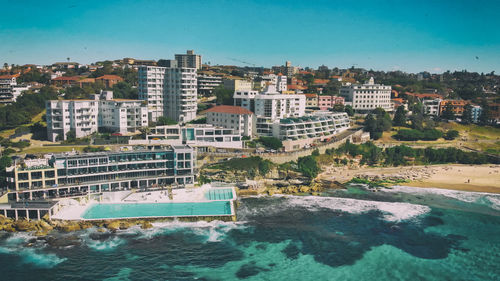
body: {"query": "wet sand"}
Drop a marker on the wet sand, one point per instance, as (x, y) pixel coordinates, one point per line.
(479, 178)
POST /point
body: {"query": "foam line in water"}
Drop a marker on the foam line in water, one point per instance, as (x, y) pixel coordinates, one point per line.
(489, 199)
(212, 231)
(14, 245)
(393, 211)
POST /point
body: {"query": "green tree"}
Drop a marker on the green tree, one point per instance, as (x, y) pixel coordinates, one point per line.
(162, 120)
(467, 115)
(451, 135)
(308, 166)
(224, 96)
(448, 112)
(71, 135)
(271, 142)
(124, 90)
(485, 117)
(348, 109)
(417, 121)
(399, 117)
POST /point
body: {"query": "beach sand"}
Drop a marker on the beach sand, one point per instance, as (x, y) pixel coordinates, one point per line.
(479, 178)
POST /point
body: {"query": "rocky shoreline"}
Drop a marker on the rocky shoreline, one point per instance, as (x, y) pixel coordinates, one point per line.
(45, 226)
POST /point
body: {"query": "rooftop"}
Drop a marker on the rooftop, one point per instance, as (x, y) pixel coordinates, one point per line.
(9, 76)
(229, 109)
(110, 77)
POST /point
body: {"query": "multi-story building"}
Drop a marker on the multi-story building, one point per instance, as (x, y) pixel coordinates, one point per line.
(328, 102)
(476, 113)
(311, 100)
(236, 84)
(9, 90)
(431, 107)
(63, 116)
(201, 136)
(169, 92)
(78, 174)
(207, 84)
(231, 117)
(299, 132)
(366, 97)
(245, 99)
(269, 106)
(188, 60)
(85, 117)
(458, 106)
(122, 116)
(278, 81)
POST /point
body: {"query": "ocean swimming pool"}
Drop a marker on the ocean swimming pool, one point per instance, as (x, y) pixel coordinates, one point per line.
(135, 210)
(219, 194)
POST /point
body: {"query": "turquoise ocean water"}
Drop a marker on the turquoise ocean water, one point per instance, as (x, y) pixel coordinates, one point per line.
(354, 234)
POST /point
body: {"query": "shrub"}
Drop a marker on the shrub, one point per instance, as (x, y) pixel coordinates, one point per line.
(451, 135)
(271, 142)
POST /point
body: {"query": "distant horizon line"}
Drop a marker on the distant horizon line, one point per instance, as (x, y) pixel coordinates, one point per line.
(270, 67)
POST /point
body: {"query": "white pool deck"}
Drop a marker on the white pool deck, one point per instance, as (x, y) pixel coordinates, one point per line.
(74, 210)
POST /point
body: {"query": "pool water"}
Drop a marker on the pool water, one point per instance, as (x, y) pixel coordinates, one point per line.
(219, 194)
(112, 211)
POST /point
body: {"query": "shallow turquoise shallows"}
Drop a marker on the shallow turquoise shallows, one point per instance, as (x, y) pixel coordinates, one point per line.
(219, 194)
(112, 211)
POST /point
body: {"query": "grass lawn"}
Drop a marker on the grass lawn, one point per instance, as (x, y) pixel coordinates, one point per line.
(51, 149)
(37, 118)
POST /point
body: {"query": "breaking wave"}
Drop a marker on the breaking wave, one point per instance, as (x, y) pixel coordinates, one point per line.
(392, 211)
(483, 198)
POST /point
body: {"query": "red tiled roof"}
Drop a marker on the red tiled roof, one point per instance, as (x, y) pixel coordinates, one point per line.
(8, 76)
(321, 81)
(110, 77)
(311, 95)
(296, 87)
(229, 109)
(423, 95)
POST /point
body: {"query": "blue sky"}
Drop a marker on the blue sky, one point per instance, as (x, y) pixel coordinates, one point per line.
(385, 35)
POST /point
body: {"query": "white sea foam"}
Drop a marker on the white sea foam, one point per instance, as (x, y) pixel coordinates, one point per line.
(14, 245)
(105, 245)
(489, 199)
(212, 231)
(44, 260)
(392, 211)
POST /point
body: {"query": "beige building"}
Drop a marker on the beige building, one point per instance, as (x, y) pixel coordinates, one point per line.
(231, 117)
(188, 60)
(237, 84)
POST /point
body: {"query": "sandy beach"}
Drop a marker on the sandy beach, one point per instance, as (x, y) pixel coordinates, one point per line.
(479, 178)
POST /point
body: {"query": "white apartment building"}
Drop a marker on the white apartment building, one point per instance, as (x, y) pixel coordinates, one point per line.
(188, 60)
(207, 84)
(231, 117)
(201, 136)
(431, 107)
(9, 90)
(122, 116)
(366, 97)
(300, 132)
(169, 92)
(66, 115)
(236, 85)
(88, 116)
(269, 106)
(279, 81)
